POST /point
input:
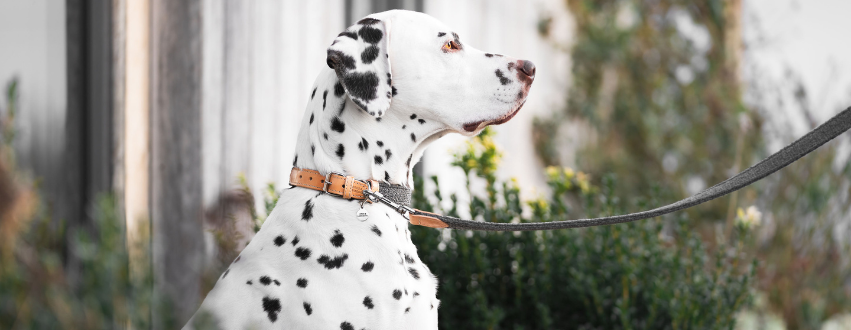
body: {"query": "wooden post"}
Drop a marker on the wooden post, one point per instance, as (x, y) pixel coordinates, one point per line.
(136, 139)
(176, 173)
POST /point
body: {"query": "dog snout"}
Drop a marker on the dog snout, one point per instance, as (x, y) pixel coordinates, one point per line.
(527, 67)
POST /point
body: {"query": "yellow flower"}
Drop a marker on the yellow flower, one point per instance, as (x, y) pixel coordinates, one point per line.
(568, 173)
(552, 173)
(582, 181)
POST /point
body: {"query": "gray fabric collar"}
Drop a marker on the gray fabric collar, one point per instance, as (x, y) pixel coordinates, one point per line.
(397, 193)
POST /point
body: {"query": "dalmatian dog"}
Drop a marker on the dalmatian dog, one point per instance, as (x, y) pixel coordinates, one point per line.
(396, 81)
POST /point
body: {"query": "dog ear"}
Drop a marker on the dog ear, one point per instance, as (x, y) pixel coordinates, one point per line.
(360, 56)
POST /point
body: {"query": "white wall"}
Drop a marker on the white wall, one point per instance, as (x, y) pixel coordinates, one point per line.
(260, 59)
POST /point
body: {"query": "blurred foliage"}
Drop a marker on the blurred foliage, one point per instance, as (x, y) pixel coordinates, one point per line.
(656, 93)
(53, 277)
(628, 276)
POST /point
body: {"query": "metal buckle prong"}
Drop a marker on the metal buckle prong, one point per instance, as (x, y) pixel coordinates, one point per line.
(326, 182)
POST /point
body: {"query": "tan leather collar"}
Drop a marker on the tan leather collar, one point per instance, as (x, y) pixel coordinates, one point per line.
(349, 188)
(333, 183)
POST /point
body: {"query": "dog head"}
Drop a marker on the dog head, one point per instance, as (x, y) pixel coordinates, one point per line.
(413, 62)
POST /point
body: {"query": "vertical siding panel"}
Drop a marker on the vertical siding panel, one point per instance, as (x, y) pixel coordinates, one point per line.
(238, 112)
(212, 103)
(290, 39)
(176, 179)
(265, 78)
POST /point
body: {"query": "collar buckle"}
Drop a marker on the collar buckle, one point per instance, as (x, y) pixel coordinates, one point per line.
(327, 181)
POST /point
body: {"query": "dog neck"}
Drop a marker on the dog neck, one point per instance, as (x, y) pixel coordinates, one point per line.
(336, 136)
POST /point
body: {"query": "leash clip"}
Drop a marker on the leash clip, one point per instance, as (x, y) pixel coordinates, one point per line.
(373, 197)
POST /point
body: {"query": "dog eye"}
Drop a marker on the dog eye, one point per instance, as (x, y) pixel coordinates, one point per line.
(451, 45)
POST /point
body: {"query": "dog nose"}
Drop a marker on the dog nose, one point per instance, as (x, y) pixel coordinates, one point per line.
(528, 68)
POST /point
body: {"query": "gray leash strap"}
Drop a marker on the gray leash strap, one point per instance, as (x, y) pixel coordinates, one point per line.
(806, 144)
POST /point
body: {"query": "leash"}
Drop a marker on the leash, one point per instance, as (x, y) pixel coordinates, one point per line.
(789, 154)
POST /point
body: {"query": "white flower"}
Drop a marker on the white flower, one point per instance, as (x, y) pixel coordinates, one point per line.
(749, 218)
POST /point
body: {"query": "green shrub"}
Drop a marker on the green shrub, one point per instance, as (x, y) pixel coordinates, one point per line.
(651, 274)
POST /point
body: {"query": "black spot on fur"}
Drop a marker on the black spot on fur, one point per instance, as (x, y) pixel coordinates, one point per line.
(488, 54)
(325, 135)
(397, 294)
(348, 34)
(369, 54)
(363, 144)
(339, 61)
(368, 21)
(414, 273)
(339, 90)
(307, 213)
(249, 282)
(408, 162)
(416, 293)
(502, 79)
(346, 326)
(295, 240)
(276, 282)
(388, 153)
(226, 273)
(413, 137)
(337, 125)
(367, 266)
(389, 79)
(407, 310)
(440, 34)
(280, 240)
(376, 230)
(311, 118)
(362, 85)
(272, 307)
(404, 126)
(378, 160)
(409, 260)
(394, 90)
(341, 151)
(302, 253)
(312, 149)
(422, 121)
(332, 263)
(379, 143)
(301, 283)
(295, 160)
(378, 119)
(324, 99)
(338, 239)
(265, 280)
(370, 35)
(386, 176)
(413, 116)
(314, 93)
(307, 308)
(367, 301)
